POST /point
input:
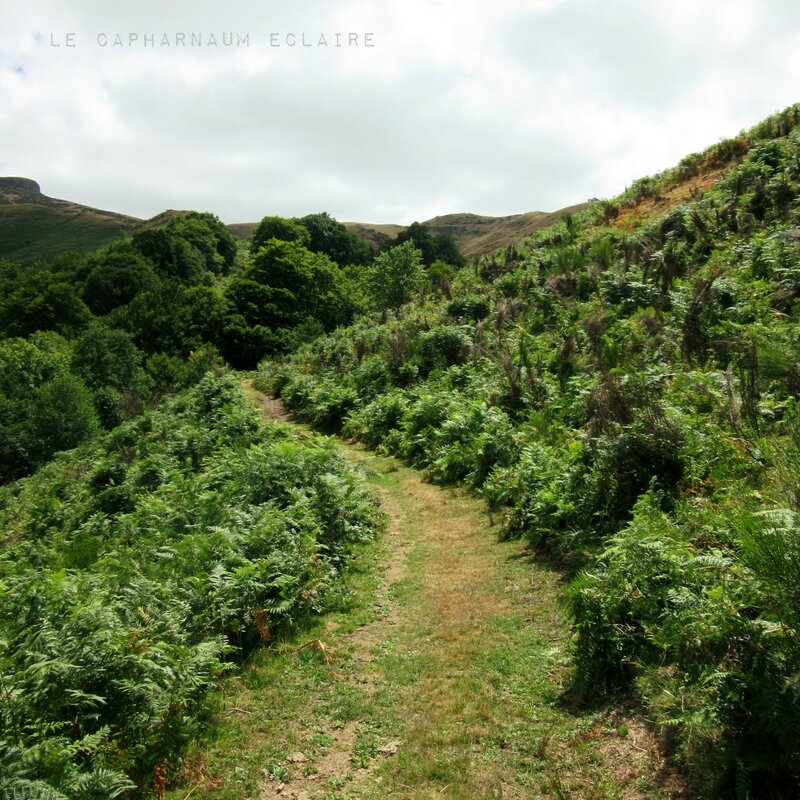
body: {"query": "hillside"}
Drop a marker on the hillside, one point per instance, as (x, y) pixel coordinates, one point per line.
(621, 394)
(622, 390)
(478, 236)
(474, 234)
(36, 227)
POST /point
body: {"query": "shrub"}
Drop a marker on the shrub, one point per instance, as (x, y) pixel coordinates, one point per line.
(373, 422)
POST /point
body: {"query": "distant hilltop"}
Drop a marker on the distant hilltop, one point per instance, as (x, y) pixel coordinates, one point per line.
(36, 227)
(18, 186)
(475, 235)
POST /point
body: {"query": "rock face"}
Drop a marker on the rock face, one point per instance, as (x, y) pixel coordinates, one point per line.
(18, 186)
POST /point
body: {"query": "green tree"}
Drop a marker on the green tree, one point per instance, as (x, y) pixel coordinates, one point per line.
(243, 345)
(116, 276)
(447, 250)
(432, 246)
(41, 297)
(395, 276)
(43, 407)
(287, 230)
(157, 319)
(421, 236)
(332, 238)
(62, 416)
(285, 287)
(302, 284)
(172, 255)
(205, 311)
(104, 357)
(209, 236)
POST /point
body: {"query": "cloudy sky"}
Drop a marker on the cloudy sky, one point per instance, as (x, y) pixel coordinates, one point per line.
(458, 105)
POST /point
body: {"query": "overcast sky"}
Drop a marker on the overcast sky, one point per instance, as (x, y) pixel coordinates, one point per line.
(494, 108)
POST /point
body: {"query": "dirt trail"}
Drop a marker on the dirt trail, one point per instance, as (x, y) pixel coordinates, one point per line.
(454, 685)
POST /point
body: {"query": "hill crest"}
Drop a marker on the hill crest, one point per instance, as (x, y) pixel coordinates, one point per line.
(34, 226)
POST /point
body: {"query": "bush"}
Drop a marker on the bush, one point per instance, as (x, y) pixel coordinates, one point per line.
(62, 416)
(443, 347)
(373, 422)
(707, 625)
(468, 309)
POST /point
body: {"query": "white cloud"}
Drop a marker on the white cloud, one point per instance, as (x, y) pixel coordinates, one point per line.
(458, 106)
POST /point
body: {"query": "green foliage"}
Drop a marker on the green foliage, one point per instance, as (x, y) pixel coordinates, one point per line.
(332, 238)
(622, 389)
(700, 609)
(62, 416)
(106, 357)
(40, 298)
(286, 230)
(468, 309)
(208, 237)
(444, 346)
(285, 296)
(432, 246)
(116, 277)
(44, 407)
(173, 256)
(373, 423)
(626, 398)
(395, 276)
(135, 572)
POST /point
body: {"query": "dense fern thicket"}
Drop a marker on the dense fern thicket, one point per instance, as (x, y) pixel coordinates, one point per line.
(136, 570)
(623, 389)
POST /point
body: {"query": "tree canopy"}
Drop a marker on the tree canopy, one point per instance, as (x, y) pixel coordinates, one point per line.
(432, 246)
(395, 276)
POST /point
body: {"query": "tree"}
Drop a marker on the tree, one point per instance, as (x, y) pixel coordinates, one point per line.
(205, 311)
(209, 236)
(62, 416)
(303, 284)
(116, 276)
(334, 240)
(172, 255)
(447, 250)
(43, 407)
(287, 230)
(395, 276)
(157, 319)
(104, 357)
(421, 237)
(432, 246)
(39, 298)
(285, 287)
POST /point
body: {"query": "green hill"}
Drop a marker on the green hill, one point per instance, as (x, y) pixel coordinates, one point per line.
(623, 391)
(34, 226)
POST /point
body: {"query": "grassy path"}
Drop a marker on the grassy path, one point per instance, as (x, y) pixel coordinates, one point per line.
(441, 677)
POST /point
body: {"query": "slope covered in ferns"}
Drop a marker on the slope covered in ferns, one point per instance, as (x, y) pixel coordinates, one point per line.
(623, 389)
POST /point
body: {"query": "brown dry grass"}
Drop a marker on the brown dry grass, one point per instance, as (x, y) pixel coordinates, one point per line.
(662, 202)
